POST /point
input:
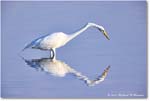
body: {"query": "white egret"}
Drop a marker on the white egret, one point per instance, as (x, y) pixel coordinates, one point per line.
(58, 39)
(60, 69)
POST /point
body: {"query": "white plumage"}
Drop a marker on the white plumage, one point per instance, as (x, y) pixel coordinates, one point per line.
(55, 40)
(58, 39)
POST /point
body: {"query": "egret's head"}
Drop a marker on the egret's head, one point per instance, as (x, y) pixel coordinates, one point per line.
(101, 29)
(91, 24)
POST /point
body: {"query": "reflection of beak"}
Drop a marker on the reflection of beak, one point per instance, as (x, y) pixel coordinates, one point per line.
(106, 35)
(105, 72)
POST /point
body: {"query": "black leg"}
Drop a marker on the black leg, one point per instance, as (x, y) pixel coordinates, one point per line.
(52, 55)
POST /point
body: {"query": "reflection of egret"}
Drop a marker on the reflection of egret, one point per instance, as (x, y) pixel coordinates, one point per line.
(58, 39)
(60, 69)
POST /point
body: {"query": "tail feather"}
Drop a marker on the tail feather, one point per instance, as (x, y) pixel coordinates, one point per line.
(34, 43)
(27, 46)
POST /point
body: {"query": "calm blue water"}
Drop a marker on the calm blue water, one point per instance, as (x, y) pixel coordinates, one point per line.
(89, 53)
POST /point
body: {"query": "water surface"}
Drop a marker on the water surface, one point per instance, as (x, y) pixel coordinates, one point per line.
(89, 53)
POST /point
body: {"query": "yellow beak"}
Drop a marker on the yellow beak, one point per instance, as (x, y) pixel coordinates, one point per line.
(106, 35)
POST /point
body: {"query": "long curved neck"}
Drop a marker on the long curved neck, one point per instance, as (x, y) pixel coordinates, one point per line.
(72, 36)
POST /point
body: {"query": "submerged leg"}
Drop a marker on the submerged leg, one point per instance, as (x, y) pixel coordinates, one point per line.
(52, 54)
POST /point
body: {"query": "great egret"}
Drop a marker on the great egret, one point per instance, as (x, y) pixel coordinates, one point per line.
(58, 39)
(60, 69)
